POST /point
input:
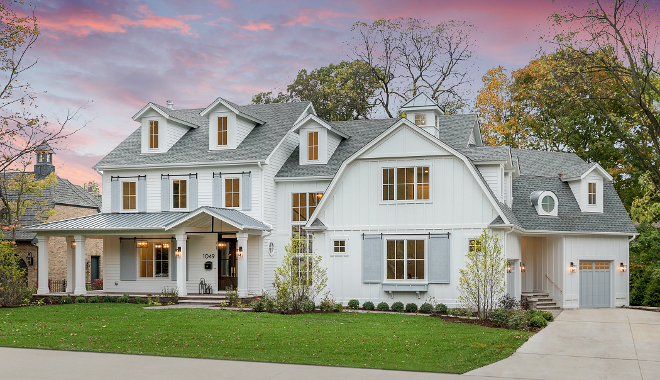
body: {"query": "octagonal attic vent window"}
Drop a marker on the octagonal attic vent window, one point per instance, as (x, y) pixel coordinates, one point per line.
(545, 203)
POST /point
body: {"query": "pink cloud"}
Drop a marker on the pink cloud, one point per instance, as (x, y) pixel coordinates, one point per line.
(223, 3)
(308, 16)
(256, 26)
(189, 17)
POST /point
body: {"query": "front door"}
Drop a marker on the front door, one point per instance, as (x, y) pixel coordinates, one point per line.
(227, 260)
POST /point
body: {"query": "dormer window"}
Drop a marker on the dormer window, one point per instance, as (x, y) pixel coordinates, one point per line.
(420, 119)
(222, 130)
(545, 203)
(592, 193)
(153, 134)
(313, 148)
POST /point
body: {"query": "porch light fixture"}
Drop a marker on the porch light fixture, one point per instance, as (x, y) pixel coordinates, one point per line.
(178, 252)
(571, 268)
(221, 244)
(166, 245)
(73, 244)
(240, 252)
(522, 267)
(158, 246)
(141, 244)
(622, 267)
(30, 259)
(508, 268)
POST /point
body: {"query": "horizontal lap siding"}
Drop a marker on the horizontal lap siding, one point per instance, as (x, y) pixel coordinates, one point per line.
(253, 262)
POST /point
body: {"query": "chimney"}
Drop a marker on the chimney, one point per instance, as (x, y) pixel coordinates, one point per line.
(170, 104)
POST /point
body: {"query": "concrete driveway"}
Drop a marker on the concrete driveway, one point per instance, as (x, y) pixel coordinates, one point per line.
(587, 344)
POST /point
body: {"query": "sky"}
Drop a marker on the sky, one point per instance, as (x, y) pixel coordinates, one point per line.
(112, 57)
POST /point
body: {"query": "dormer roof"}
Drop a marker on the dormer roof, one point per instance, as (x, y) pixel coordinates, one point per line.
(242, 111)
(320, 121)
(580, 172)
(180, 116)
(421, 101)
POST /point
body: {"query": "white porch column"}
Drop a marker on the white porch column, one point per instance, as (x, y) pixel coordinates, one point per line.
(242, 264)
(79, 262)
(181, 264)
(70, 267)
(42, 265)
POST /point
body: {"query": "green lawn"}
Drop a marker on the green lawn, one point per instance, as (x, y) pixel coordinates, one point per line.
(387, 341)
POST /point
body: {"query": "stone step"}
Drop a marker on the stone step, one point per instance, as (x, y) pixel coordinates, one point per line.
(547, 308)
(544, 299)
(199, 301)
(539, 304)
(536, 295)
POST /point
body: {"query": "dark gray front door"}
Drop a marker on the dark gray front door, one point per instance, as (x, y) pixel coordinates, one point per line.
(95, 268)
(595, 284)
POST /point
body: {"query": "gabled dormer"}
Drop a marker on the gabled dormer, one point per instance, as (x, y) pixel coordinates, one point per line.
(424, 112)
(160, 129)
(587, 186)
(318, 140)
(229, 124)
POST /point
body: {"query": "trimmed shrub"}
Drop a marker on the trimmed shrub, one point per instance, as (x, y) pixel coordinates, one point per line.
(139, 300)
(338, 308)
(500, 316)
(67, 300)
(282, 305)
(98, 284)
(368, 305)
(307, 306)
(123, 299)
(354, 304)
(441, 308)
(383, 306)
(518, 319)
(81, 299)
(411, 308)
(547, 316)
(94, 299)
(426, 308)
(109, 299)
(538, 321)
(269, 304)
(258, 305)
(507, 301)
(326, 305)
(397, 306)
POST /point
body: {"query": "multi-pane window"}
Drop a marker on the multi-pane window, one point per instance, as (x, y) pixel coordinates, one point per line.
(420, 119)
(153, 134)
(154, 260)
(313, 146)
(232, 192)
(339, 247)
(128, 195)
(179, 193)
(304, 205)
(405, 259)
(302, 268)
(222, 130)
(303, 241)
(408, 184)
(548, 204)
(472, 245)
(592, 193)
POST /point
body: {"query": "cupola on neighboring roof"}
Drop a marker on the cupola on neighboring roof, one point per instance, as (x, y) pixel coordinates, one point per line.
(424, 112)
(44, 164)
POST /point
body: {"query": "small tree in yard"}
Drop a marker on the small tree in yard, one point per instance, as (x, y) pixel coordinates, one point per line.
(482, 281)
(301, 276)
(13, 285)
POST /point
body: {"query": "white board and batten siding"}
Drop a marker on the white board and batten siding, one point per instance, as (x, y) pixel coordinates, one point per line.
(544, 256)
(494, 176)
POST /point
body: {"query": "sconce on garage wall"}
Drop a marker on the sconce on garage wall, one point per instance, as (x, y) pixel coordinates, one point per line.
(178, 252)
(240, 252)
(522, 267)
(508, 268)
(571, 268)
(622, 267)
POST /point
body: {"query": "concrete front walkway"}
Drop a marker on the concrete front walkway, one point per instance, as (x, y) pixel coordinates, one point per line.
(587, 344)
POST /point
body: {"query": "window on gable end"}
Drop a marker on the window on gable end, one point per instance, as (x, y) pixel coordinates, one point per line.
(222, 130)
(153, 134)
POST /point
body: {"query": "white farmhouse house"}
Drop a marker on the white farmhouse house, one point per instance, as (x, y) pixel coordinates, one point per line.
(391, 205)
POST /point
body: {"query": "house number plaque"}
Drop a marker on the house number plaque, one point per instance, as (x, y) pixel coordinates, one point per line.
(208, 255)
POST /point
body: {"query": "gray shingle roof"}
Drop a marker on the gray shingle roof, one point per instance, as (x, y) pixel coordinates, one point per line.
(548, 164)
(455, 130)
(486, 153)
(257, 145)
(189, 116)
(231, 216)
(361, 132)
(613, 219)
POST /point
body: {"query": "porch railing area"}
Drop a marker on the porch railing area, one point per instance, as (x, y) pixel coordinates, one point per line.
(553, 283)
(59, 286)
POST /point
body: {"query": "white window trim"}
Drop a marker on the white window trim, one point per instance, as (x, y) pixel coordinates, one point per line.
(426, 260)
(409, 201)
(318, 148)
(121, 195)
(169, 259)
(159, 134)
(539, 205)
(467, 242)
(240, 191)
(332, 246)
(171, 195)
(423, 116)
(595, 204)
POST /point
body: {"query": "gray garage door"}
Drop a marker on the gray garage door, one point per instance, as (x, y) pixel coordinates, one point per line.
(594, 284)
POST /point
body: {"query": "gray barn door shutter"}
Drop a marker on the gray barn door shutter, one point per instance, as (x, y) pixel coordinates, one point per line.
(372, 259)
(164, 193)
(438, 259)
(142, 193)
(115, 194)
(192, 192)
(173, 260)
(127, 260)
(247, 191)
(217, 189)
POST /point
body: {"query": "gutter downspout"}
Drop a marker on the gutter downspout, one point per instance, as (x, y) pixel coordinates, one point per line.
(262, 203)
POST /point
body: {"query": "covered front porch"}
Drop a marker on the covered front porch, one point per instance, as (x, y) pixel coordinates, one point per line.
(148, 252)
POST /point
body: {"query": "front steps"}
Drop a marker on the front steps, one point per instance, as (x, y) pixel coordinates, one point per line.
(203, 299)
(540, 301)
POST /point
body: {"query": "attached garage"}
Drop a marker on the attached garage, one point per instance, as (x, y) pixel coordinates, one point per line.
(595, 278)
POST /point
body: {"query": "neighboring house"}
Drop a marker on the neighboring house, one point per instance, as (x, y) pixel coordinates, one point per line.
(392, 205)
(68, 201)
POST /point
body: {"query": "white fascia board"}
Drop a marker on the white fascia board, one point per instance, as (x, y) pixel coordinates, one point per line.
(550, 232)
(602, 172)
(177, 165)
(150, 105)
(231, 108)
(303, 113)
(422, 133)
(317, 119)
(305, 179)
(509, 226)
(201, 210)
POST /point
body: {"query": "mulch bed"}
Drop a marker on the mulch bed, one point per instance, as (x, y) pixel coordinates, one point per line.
(480, 322)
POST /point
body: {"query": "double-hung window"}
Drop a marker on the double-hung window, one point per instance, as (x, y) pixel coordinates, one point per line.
(405, 259)
(222, 130)
(153, 134)
(592, 193)
(154, 260)
(406, 183)
(232, 192)
(313, 146)
(129, 195)
(179, 194)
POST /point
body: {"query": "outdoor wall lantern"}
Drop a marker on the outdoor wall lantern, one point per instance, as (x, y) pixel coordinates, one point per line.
(178, 252)
(30, 259)
(166, 245)
(508, 268)
(622, 267)
(221, 244)
(522, 267)
(141, 244)
(158, 246)
(73, 244)
(240, 252)
(571, 268)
